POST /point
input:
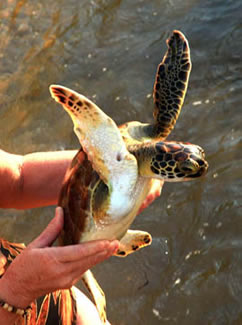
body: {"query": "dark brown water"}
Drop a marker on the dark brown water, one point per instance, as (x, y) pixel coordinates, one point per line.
(109, 50)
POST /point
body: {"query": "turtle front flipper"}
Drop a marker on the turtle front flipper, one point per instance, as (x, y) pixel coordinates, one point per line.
(102, 142)
(132, 241)
(171, 84)
(96, 293)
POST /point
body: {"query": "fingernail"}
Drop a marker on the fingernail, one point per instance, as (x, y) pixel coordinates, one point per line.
(114, 245)
(58, 210)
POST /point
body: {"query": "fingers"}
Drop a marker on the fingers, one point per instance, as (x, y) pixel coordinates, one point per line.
(154, 192)
(49, 235)
(68, 273)
(156, 187)
(75, 252)
(79, 267)
(38, 271)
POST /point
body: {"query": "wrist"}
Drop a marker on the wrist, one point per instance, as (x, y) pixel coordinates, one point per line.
(7, 318)
(11, 295)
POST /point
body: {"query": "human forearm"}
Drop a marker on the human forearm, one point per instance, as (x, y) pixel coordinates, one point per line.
(35, 179)
(42, 176)
(32, 180)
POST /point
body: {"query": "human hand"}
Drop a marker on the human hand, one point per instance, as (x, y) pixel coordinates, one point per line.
(154, 192)
(40, 269)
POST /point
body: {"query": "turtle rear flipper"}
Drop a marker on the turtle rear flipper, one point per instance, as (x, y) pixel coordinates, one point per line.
(132, 241)
(96, 293)
(171, 84)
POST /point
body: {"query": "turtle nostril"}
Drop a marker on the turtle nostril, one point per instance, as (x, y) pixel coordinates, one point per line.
(200, 162)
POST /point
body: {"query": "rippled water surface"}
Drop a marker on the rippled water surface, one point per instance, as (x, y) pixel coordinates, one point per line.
(109, 51)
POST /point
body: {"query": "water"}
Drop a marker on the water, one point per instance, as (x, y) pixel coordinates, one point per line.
(109, 50)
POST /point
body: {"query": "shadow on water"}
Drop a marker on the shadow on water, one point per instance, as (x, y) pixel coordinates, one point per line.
(109, 50)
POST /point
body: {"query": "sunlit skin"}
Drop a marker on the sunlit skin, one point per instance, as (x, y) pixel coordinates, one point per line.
(23, 185)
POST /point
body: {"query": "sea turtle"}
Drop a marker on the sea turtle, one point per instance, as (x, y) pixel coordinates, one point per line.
(102, 194)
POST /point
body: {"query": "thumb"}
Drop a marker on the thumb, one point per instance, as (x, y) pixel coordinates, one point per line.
(49, 235)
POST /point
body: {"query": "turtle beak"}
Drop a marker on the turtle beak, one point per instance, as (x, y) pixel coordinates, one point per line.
(202, 170)
(193, 168)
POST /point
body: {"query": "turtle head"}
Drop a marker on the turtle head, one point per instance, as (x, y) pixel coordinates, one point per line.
(171, 161)
(190, 162)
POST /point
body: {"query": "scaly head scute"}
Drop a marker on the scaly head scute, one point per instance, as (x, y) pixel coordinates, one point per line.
(181, 161)
(171, 161)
